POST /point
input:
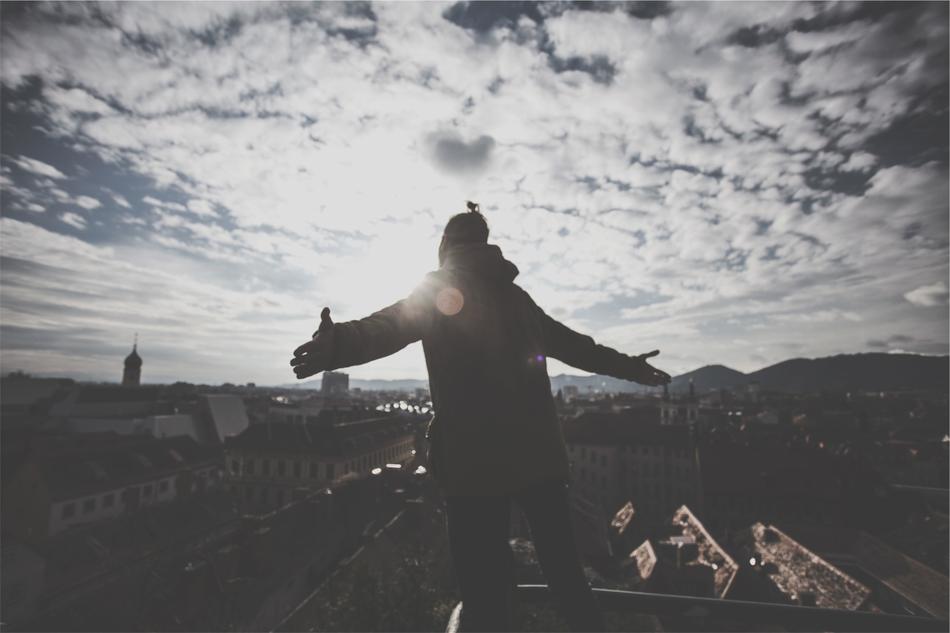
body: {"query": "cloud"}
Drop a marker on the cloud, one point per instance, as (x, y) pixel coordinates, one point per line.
(74, 220)
(928, 296)
(37, 167)
(200, 207)
(679, 176)
(87, 202)
(121, 200)
(859, 161)
(456, 155)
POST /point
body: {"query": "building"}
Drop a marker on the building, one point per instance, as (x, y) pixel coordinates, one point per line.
(268, 465)
(132, 371)
(334, 383)
(682, 559)
(569, 392)
(26, 399)
(899, 584)
(67, 480)
(680, 410)
(628, 456)
(150, 410)
(780, 569)
(741, 484)
(21, 584)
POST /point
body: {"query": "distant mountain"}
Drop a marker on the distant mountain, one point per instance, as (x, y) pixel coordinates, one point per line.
(845, 372)
(595, 383)
(857, 372)
(405, 384)
(710, 377)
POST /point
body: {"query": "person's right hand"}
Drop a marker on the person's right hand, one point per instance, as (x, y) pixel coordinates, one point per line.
(314, 356)
(645, 374)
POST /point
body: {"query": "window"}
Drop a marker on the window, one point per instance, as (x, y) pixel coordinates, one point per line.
(163, 485)
(147, 490)
(603, 461)
(88, 505)
(329, 471)
(69, 510)
(593, 457)
(235, 467)
(314, 470)
(97, 471)
(266, 467)
(249, 466)
(108, 500)
(297, 470)
(281, 467)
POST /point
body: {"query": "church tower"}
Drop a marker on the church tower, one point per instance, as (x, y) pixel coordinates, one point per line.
(133, 367)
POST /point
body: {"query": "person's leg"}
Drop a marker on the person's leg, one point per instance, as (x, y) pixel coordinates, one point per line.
(478, 538)
(547, 508)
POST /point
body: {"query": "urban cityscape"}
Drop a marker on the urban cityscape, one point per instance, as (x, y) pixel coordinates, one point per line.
(679, 275)
(182, 507)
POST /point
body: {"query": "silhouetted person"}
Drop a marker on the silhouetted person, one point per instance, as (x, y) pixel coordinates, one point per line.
(495, 437)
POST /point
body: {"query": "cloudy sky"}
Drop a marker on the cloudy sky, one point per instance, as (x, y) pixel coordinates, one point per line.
(730, 183)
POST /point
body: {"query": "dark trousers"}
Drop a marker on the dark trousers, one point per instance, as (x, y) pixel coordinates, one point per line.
(478, 537)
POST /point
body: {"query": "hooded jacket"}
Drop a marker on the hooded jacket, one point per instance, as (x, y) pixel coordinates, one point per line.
(495, 430)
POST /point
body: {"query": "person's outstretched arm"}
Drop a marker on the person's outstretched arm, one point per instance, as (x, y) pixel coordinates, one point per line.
(336, 345)
(580, 351)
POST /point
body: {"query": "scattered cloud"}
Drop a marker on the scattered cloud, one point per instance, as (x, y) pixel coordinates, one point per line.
(665, 175)
(928, 296)
(88, 203)
(74, 220)
(38, 167)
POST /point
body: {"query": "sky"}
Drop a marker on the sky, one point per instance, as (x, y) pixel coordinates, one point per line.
(733, 183)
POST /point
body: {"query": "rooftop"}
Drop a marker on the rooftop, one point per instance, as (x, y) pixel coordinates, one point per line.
(74, 466)
(800, 574)
(319, 437)
(709, 551)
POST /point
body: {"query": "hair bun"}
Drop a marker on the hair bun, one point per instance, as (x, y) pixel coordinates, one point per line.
(472, 206)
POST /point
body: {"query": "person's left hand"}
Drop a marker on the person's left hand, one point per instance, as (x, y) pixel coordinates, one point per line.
(645, 374)
(314, 356)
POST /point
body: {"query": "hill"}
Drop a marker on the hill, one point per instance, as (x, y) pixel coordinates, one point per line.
(845, 372)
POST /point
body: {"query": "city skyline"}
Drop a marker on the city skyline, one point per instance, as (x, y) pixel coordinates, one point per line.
(729, 183)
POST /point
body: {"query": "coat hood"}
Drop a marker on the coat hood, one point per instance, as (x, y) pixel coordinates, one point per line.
(482, 259)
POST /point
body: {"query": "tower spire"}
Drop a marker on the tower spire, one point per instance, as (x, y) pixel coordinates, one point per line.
(132, 372)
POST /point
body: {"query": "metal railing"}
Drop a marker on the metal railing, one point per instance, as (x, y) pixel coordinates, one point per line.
(739, 611)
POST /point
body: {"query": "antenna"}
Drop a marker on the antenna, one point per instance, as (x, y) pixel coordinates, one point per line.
(135, 341)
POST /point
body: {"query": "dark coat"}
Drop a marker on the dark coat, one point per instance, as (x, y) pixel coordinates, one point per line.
(485, 340)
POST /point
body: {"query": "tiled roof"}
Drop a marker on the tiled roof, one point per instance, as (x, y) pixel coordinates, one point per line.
(918, 583)
(317, 437)
(709, 551)
(799, 573)
(623, 517)
(641, 561)
(228, 414)
(97, 462)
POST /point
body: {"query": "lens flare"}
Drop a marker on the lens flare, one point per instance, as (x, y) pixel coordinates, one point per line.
(449, 301)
